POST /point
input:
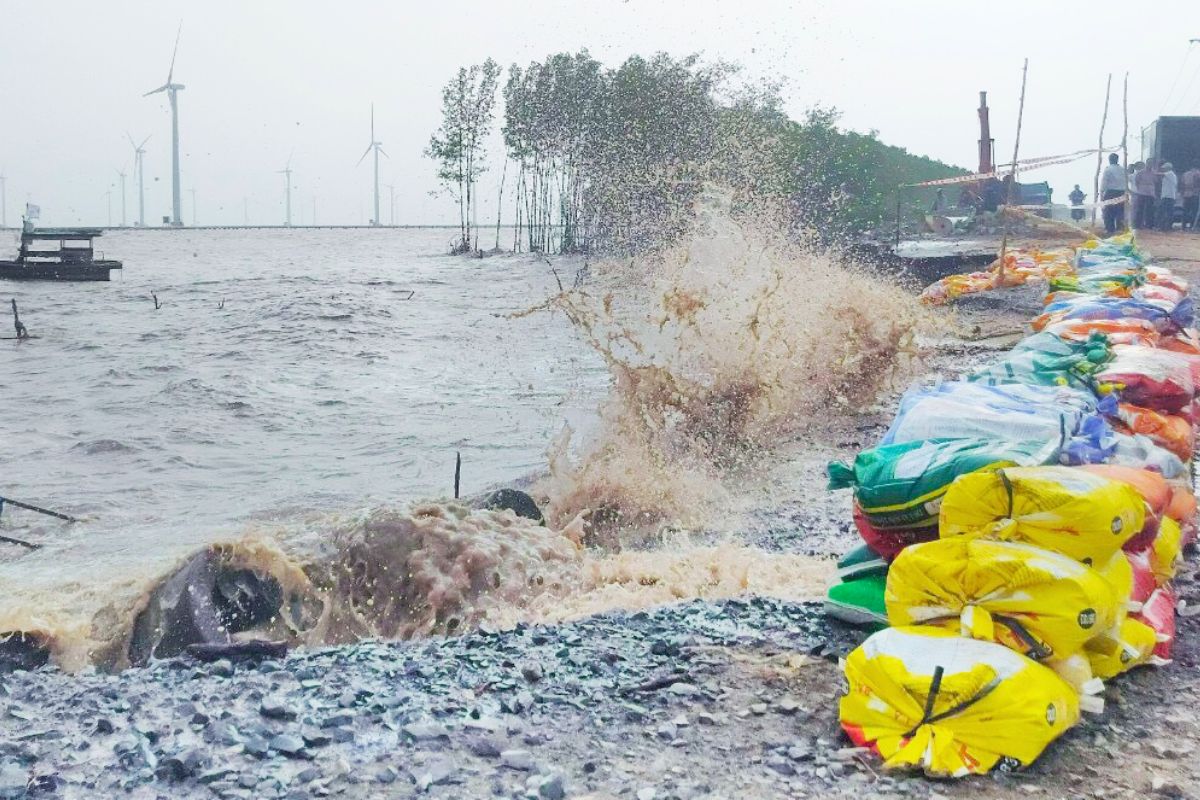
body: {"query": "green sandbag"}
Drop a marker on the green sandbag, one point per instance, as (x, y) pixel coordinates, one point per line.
(901, 485)
(859, 563)
(859, 602)
(1046, 360)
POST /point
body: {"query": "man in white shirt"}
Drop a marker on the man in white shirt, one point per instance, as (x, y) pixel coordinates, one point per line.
(1166, 198)
(1113, 184)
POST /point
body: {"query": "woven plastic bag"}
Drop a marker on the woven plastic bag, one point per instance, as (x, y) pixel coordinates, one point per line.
(928, 698)
(1072, 511)
(901, 485)
(1169, 431)
(1135, 647)
(1015, 412)
(1037, 602)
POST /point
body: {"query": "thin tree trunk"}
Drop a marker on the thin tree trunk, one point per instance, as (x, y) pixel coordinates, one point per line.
(500, 201)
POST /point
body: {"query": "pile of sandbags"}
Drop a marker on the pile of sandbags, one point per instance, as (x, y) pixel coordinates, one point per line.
(1021, 526)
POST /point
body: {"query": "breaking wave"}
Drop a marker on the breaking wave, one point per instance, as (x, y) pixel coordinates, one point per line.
(723, 347)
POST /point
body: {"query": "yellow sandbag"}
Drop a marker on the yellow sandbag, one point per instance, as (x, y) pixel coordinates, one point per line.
(1167, 551)
(1038, 602)
(1085, 516)
(925, 697)
(1136, 646)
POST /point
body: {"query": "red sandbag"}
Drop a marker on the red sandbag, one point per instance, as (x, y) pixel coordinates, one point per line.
(1169, 431)
(1159, 613)
(1159, 379)
(890, 541)
(1144, 583)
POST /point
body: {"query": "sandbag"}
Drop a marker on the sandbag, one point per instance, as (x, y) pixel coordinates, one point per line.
(888, 542)
(1144, 583)
(1166, 552)
(859, 562)
(1135, 647)
(1169, 431)
(1042, 604)
(1162, 380)
(1069, 510)
(901, 485)
(1140, 452)
(1158, 613)
(1117, 331)
(1165, 316)
(1012, 412)
(859, 601)
(924, 697)
(1153, 488)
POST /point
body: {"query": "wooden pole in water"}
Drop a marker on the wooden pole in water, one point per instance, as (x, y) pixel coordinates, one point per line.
(899, 193)
(1012, 173)
(1100, 151)
(457, 473)
(1125, 153)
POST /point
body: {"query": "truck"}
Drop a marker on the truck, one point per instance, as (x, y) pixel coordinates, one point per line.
(1174, 139)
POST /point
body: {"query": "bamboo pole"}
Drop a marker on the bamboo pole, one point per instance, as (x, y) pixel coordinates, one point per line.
(1012, 175)
(1100, 151)
(1128, 215)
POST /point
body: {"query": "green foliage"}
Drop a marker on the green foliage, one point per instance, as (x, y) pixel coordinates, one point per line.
(468, 106)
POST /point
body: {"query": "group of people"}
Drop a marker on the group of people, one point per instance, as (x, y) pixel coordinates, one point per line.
(1155, 191)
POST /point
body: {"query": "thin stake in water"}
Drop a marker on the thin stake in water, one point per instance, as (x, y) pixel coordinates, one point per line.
(38, 509)
(457, 473)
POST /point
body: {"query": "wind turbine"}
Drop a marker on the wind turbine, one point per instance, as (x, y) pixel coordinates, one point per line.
(391, 205)
(139, 151)
(121, 172)
(378, 148)
(288, 171)
(172, 90)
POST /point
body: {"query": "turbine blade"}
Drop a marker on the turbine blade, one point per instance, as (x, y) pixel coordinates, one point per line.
(364, 155)
(130, 138)
(175, 52)
(372, 122)
(385, 155)
(143, 144)
(162, 88)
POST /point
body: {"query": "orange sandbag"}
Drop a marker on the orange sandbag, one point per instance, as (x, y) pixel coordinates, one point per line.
(1182, 509)
(1119, 331)
(1169, 431)
(1185, 342)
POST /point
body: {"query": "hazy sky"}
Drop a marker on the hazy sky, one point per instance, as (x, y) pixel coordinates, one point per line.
(271, 78)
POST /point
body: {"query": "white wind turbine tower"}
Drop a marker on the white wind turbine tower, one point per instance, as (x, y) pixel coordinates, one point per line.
(378, 148)
(139, 151)
(121, 172)
(288, 172)
(172, 89)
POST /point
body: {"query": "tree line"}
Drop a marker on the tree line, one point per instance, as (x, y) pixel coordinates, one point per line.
(611, 159)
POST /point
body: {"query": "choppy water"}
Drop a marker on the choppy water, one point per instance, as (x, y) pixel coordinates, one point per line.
(317, 386)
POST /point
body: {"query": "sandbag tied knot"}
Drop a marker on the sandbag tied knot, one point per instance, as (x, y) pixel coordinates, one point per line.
(977, 623)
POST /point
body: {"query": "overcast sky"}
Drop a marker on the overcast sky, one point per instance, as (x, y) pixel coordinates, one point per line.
(271, 78)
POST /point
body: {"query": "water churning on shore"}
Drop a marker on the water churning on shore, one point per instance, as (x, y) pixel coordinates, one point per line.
(723, 347)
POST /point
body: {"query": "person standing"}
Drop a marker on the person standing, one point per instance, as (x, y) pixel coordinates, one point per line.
(1143, 195)
(1113, 184)
(1189, 190)
(1167, 196)
(1077, 197)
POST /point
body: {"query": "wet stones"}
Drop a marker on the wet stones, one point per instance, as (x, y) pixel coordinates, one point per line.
(276, 708)
(521, 760)
(289, 745)
(13, 781)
